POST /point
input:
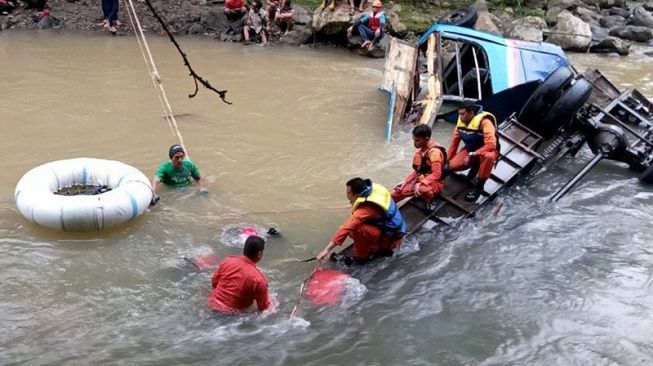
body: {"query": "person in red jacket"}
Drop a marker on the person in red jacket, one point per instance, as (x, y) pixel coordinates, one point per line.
(478, 131)
(234, 9)
(426, 180)
(237, 282)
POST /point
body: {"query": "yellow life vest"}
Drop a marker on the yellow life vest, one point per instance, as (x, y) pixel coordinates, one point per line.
(471, 133)
(379, 196)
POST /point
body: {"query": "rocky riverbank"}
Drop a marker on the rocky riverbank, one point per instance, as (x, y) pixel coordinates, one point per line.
(575, 25)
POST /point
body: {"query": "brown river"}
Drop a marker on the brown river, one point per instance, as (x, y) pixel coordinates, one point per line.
(538, 284)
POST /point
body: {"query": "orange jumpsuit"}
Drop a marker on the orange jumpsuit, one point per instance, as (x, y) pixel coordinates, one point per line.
(430, 184)
(486, 154)
(368, 239)
(237, 283)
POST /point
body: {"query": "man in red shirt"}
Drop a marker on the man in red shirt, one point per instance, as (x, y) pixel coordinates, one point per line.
(375, 224)
(237, 282)
(234, 9)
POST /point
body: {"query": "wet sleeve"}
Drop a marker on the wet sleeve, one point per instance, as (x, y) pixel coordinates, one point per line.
(437, 159)
(489, 137)
(161, 172)
(261, 296)
(453, 146)
(357, 219)
(361, 20)
(194, 171)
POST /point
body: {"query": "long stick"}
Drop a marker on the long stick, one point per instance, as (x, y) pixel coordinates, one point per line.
(196, 77)
(301, 290)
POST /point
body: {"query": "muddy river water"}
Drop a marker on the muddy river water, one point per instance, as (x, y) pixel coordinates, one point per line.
(537, 284)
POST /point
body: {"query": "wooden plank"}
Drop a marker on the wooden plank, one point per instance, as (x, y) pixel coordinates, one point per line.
(433, 99)
(399, 68)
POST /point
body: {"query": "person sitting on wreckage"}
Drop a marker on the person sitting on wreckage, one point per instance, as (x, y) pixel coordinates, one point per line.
(375, 224)
(478, 131)
(427, 178)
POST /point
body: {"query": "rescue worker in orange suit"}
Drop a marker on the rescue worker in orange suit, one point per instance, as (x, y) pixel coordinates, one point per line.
(238, 282)
(375, 224)
(478, 131)
(426, 180)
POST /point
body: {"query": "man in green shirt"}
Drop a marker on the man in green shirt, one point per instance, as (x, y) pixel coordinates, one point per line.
(177, 172)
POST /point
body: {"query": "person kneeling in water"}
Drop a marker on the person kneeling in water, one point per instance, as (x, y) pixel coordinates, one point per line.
(238, 282)
(375, 224)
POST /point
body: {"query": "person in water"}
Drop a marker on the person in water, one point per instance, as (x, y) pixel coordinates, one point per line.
(478, 131)
(371, 27)
(375, 224)
(177, 172)
(427, 178)
(238, 282)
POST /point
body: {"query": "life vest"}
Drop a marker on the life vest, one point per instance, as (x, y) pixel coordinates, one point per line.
(375, 20)
(391, 223)
(471, 134)
(422, 163)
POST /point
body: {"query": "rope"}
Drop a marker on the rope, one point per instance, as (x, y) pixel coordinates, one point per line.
(301, 290)
(154, 73)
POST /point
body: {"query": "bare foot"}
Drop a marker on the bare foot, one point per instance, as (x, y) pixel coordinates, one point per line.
(113, 30)
(365, 44)
(370, 47)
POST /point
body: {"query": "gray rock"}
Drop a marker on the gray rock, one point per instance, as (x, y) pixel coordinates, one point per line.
(611, 21)
(611, 44)
(571, 33)
(641, 17)
(598, 33)
(484, 22)
(619, 11)
(528, 29)
(633, 33)
(649, 6)
(196, 28)
(298, 36)
(213, 19)
(481, 5)
(503, 21)
(551, 16)
(47, 23)
(301, 15)
(587, 15)
(604, 4)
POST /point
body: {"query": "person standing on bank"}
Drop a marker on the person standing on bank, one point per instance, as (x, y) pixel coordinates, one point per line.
(238, 282)
(427, 178)
(375, 224)
(177, 172)
(110, 9)
(478, 131)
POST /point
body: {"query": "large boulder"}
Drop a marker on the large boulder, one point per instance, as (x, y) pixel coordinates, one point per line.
(528, 29)
(641, 17)
(622, 12)
(484, 22)
(571, 33)
(633, 33)
(611, 45)
(587, 15)
(332, 22)
(301, 15)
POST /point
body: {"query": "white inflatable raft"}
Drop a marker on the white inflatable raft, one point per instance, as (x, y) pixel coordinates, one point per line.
(39, 199)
